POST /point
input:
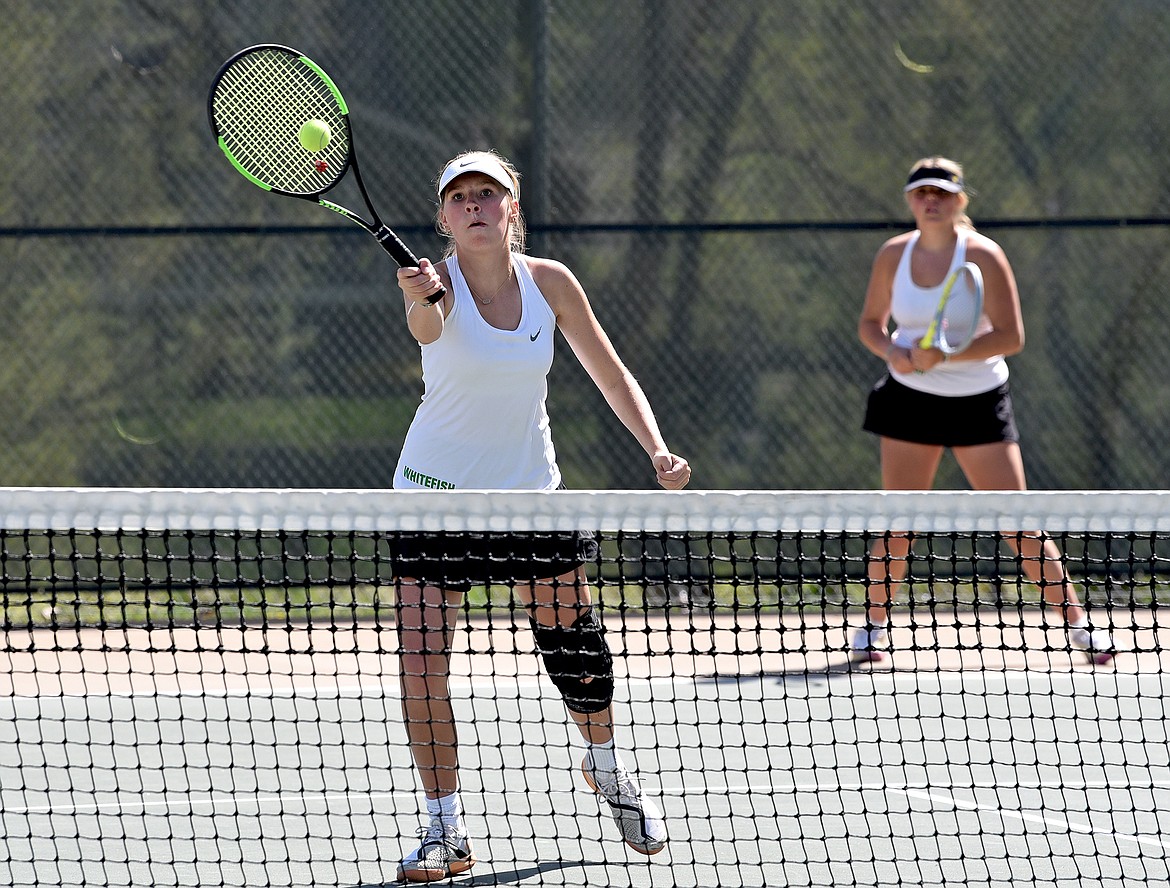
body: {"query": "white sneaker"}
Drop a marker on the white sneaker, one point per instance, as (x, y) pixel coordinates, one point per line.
(641, 823)
(1096, 643)
(442, 854)
(867, 644)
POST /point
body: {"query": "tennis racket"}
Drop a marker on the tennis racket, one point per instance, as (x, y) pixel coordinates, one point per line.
(960, 309)
(260, 100)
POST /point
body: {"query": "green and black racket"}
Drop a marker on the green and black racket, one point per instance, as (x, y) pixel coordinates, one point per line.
(284, 126)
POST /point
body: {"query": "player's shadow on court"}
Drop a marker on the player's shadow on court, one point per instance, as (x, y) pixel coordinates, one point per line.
(798, 674)
(498, 877)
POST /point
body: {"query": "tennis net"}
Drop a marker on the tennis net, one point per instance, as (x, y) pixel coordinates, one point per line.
(201, 687)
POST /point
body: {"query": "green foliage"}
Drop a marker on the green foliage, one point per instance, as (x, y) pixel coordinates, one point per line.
(274, 357)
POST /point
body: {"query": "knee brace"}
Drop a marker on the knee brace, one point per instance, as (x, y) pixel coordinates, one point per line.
(578, 662)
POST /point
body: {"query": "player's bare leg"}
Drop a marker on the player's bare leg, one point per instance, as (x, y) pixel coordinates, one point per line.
(1001, 467)
(905, 466)
(570, 640)
(427, 618)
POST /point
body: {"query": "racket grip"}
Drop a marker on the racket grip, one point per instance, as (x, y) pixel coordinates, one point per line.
(401, 254)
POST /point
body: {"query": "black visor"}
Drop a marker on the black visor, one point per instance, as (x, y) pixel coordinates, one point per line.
(947, 180)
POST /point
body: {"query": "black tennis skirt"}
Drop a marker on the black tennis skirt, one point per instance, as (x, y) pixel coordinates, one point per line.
(459, 560)
(905, 414)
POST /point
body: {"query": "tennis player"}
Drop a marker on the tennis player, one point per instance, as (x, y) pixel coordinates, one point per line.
(928, 402)
(487, 347)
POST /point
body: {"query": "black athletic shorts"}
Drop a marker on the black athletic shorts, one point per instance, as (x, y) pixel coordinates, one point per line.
(459, 560)
(898, 411)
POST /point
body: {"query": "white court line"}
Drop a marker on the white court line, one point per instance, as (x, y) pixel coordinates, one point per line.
(730, 789)
(912, 791)
(308, 690)
(232, 803)
(918, 790)
(1047, 821)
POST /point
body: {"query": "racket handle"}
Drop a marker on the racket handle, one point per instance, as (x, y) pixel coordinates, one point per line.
(401, 254)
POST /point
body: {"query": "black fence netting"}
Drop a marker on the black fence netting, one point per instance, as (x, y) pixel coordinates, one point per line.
(719, 176)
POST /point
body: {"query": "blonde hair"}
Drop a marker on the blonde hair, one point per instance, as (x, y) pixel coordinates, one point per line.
(951, 166)
(518, 230)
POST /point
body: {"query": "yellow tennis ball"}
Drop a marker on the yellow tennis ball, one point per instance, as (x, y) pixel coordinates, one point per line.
(314, 135)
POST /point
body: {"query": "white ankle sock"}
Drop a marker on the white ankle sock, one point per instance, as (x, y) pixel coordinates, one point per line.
(603, 757)
(449, 809)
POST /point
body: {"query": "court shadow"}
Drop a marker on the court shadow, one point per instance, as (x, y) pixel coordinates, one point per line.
(800, 674)
(485, 877)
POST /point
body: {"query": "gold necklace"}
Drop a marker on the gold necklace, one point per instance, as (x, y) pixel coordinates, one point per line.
(499, 289)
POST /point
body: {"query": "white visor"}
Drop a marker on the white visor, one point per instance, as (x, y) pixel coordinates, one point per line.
(476, 163)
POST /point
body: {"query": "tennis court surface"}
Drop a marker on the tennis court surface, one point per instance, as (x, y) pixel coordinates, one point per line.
(201, 688)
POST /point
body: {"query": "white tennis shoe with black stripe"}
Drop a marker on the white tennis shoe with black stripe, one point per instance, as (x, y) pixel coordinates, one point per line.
(641, 823)
(444, 852)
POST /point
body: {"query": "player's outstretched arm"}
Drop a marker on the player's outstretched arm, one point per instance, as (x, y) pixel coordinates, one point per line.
(592, 346)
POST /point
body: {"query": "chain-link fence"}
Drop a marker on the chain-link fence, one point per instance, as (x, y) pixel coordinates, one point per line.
(719, 175)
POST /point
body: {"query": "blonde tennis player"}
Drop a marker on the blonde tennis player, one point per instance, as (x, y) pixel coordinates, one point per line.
(487, 346)
(929, 401)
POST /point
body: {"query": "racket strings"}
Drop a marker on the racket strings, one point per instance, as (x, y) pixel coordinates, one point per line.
(259, 106)
(962, 314)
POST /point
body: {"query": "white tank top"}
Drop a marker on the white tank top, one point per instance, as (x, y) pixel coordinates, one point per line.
(912, 308)
(482, 423)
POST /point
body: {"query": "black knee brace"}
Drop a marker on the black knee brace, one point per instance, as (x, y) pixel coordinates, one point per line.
(573, 654)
